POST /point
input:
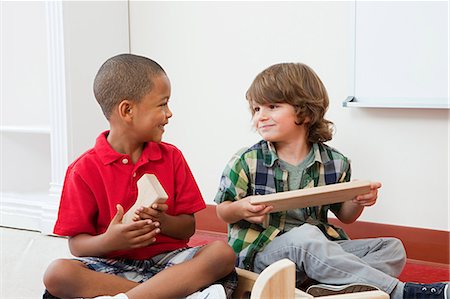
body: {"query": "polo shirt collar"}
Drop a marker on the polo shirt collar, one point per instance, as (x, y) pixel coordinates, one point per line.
(151, 152)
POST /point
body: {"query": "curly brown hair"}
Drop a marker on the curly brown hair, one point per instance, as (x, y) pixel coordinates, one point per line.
(298, 85)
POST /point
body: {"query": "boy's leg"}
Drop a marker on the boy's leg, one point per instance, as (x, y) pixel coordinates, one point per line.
(66, 278)
(385, 254)
(322, 260)
(71, 278)
(211, 263)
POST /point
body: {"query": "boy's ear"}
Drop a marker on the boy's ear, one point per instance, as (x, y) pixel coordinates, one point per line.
(125, 110)
(305, 121)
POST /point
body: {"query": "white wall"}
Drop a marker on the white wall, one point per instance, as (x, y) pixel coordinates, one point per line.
(93, 32)
(50, 53)
(212, 51)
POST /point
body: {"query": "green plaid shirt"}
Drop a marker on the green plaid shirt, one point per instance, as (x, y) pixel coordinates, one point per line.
(257, 171)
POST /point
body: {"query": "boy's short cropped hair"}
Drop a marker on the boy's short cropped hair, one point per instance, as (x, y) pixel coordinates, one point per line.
(124, 76)
(298, 85)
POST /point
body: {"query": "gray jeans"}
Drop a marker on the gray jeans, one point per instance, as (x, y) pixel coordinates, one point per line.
(375, 261)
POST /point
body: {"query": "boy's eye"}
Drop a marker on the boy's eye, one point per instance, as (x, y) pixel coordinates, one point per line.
(273, 106)
(256, 109)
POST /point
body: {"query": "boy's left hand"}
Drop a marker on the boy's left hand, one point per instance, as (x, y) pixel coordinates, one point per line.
(156, 212)
(368, 199)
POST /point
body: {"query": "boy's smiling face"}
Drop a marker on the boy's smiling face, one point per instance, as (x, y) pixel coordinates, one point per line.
(152, 113)
(276, 122)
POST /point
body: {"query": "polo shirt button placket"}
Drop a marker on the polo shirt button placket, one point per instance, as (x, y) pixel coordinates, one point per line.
(125, 161)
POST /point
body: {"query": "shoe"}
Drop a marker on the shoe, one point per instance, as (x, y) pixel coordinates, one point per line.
(319, 290)
(118, 296)
(215, 291)
(437, 290)
(47, 295)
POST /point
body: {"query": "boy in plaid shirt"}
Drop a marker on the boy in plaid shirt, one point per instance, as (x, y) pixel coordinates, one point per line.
(288, 103)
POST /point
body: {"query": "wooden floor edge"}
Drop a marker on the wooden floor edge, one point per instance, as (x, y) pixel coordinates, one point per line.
(421, 244)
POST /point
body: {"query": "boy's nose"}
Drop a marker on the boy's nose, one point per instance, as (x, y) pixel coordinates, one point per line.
(263, 114)
(169, 113)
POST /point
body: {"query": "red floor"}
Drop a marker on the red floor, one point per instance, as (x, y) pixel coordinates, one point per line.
(415, 271)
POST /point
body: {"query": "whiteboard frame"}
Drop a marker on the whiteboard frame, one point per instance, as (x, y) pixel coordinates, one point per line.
(371, 102)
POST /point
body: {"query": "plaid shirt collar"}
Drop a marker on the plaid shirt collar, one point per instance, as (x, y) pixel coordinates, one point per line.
(270, 156)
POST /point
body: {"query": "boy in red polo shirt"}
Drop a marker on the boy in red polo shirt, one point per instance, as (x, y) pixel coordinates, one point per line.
(148, 258)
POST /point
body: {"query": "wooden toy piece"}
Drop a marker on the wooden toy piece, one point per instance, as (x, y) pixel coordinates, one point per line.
(315, 196)
(149, 191)
(246, 280)
(278, 281)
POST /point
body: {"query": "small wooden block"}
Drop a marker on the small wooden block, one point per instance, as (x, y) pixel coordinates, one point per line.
(275, 281)
(309, 197)
(150, 191)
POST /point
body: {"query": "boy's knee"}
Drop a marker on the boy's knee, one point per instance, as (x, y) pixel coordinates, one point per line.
(226, 254)
(57, 276)
(397, 249)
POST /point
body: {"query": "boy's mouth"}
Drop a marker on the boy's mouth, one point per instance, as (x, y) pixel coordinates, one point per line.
(162, 127)
(265, 126)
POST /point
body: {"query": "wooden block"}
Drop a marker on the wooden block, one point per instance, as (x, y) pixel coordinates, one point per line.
(309, 197)
(246, 280)
(276, 281)
(149, 191)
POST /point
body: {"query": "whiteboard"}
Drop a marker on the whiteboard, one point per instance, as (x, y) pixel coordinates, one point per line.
(400, 54)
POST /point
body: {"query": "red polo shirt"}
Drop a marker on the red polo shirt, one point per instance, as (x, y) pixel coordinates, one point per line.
(101, 178)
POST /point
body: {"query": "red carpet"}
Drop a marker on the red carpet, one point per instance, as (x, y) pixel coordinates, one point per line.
(415, 271)
(422, 272)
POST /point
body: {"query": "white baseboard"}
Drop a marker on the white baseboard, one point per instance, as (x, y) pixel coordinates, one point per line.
(32, 211)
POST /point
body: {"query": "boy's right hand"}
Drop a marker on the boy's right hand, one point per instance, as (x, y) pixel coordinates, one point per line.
(120, 236)
(253, 213)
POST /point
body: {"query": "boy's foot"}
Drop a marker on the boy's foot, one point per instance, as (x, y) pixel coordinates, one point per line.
(437, 290)
(319, 290)
(118, 296)
(47, 295)
(215, 291)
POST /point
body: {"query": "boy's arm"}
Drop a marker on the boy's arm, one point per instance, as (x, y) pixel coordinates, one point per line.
(352, 209)
(234, 211)
(178, 227)
(118, 236)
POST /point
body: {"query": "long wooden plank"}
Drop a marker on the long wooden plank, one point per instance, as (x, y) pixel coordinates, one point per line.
(149, 191)
(309, 197)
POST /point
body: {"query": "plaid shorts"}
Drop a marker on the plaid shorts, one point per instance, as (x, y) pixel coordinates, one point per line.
(142, 270)
(139, 270)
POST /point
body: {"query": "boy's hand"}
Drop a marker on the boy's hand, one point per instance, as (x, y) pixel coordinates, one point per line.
(368, 199)
(253, 213)
(137, 234)
(156, 212)
(180, 226)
